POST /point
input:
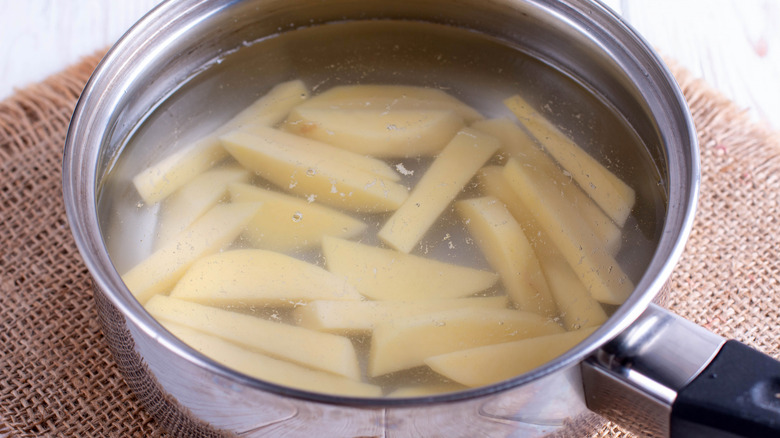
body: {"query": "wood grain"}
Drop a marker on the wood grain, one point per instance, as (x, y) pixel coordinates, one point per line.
(733, 44)
(41, 37)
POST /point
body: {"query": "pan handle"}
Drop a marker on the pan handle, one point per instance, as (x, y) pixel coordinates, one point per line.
(738, 394)
(665, 376)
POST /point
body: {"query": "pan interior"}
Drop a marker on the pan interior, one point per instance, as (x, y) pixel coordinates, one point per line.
(478, 69)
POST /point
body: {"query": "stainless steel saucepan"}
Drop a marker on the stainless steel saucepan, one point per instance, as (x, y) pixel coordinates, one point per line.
(645, 367)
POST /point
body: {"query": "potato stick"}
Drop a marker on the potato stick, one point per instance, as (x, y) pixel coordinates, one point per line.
(517, 143)
(491, 182)
(386, 274)
(158, 181)
(406, 343)
(577, 308)
(391, 97)
(613, 195)
(379, 133)
(217, 228)
(598, 270)
(493, 363)
(286, 161)
(271, 108)
(286, 223)
(321, 351)
(509, 252)
(322, 150)
(185, 205)
(440, 184)
(269, 369)
(350, 316)
(256, 277)
(575, 304)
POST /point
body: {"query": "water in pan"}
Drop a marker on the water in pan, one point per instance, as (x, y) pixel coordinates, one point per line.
(479, 71)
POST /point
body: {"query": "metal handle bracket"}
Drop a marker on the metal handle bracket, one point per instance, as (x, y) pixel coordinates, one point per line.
(634, 379)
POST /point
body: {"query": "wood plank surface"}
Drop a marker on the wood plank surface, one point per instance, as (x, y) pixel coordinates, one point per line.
(733, 44)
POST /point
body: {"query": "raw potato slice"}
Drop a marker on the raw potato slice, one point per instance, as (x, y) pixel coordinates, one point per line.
(575, 304)
(577, 308)
(491, 182)
(391, 97)
(406, 343)
(269, 369)
(217, 228)
(319, 149)
(494, 363)
(614, 196)
(517, 143)
(425, 390)
(321, 351)
(350, 316)
(385, 274)
(256, 277)
(193, 199)
(279, 158)
(271, 108)
(155, 183)
(287, 224)
(509, 252)
(440, 184)
(380, 132)
(597, 269)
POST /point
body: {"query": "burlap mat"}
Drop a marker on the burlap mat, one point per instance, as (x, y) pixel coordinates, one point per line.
(57, 377)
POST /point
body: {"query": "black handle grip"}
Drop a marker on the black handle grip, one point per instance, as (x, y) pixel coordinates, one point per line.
(737, 395)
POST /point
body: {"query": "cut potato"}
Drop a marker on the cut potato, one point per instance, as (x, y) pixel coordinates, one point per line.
(193, 199)
(155, 183)
(596, 268)
(278, 157)
(271, 108)
(440, 184)
(493, 363)
(217, 228)
(323, 351)
(509, 252)
(391, 98)
(286, 223)
(350, 316)
(385, 274)
(575, 304)
(256, 277)
(577, 308)
(269, 369)
(613, 195)
(312, 148)
(491, 181)
(425, 390)
(517, 143)
(406, 343)
(380, 132)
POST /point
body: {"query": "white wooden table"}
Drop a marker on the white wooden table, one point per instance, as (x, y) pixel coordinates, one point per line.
(733, 44)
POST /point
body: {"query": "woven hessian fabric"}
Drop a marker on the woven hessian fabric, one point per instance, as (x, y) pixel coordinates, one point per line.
(58, 378)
